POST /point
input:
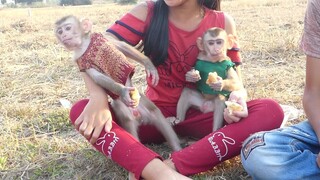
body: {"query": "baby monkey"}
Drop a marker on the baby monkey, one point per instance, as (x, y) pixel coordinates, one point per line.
(215, 78)
(105, 61)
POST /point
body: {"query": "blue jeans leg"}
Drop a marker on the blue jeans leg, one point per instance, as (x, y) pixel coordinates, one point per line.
(287, 153)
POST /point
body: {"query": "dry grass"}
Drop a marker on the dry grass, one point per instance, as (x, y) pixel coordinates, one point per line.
(36, 139)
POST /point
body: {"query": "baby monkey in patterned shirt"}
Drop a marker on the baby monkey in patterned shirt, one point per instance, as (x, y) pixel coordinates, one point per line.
(105, 61)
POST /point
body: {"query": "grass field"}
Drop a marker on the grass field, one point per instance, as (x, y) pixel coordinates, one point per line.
(36, 138)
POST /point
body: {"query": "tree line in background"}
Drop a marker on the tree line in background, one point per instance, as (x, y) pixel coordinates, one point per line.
(14, 3)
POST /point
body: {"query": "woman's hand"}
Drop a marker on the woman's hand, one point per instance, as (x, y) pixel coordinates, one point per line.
(239, 97)
(95, 116)
(193, 76)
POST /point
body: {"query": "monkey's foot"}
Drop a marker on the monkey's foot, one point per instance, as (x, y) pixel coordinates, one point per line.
(187, 141)
(173, 120)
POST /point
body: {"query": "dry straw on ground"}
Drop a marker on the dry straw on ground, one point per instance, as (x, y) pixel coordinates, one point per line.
(36, 139)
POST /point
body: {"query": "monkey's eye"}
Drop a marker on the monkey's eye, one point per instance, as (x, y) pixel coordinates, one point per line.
(219, 41)
(68, 28)
(59, 31)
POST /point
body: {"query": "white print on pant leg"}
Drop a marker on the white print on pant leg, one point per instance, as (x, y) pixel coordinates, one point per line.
(102, 142)
(219, 136)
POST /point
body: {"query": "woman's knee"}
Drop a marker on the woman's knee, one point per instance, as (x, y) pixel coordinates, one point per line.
(268, 109)
(77, 109)
(274, 106)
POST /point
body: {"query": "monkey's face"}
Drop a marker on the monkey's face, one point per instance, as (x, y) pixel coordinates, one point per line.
(69, 33)
(214, 46)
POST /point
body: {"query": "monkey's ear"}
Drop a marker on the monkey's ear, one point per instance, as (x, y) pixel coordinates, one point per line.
(86, 25)
(200, 44)
(231, 41)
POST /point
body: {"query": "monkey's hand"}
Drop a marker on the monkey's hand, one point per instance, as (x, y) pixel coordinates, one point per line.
(125, 97)
(193, 76)
(135, 96)
(218, 85)
(152, 71)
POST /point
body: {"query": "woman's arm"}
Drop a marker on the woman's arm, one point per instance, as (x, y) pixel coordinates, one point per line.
(311, 95)
(232, 82)
(140, 11)
(239, 96)
(230, 28)
(96, 115)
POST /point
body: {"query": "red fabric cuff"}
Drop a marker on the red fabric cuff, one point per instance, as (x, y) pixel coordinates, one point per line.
(129, 28)
(234, 55)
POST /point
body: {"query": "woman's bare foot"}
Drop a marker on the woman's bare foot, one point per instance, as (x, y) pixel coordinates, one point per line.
(157, 169)
(131, 176)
